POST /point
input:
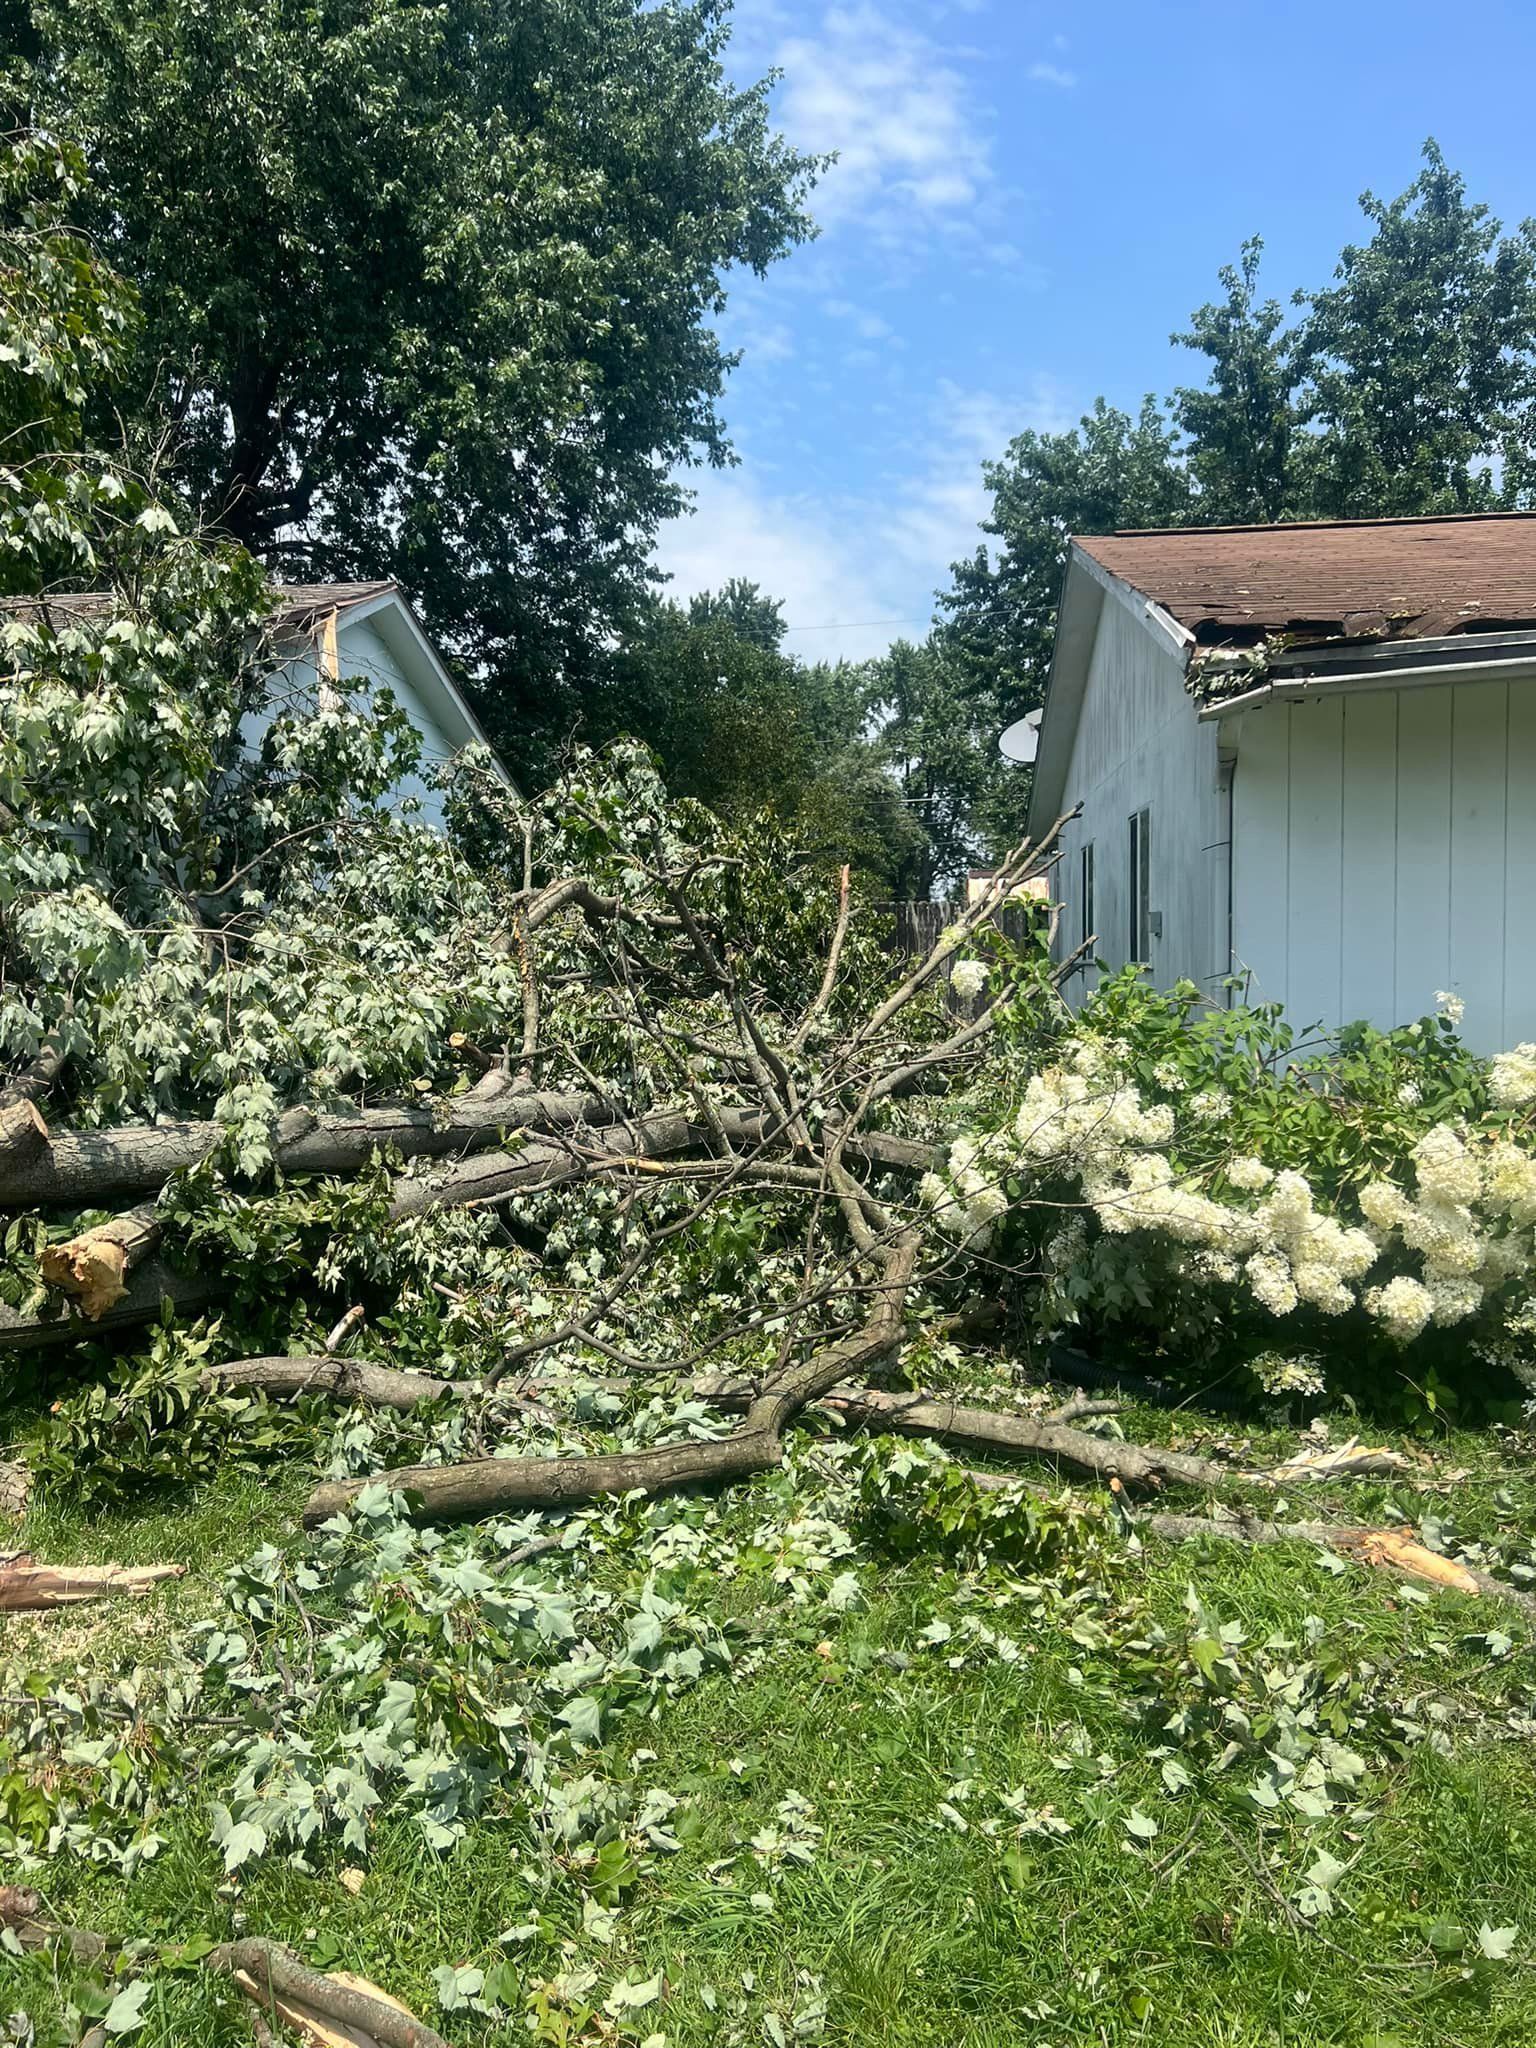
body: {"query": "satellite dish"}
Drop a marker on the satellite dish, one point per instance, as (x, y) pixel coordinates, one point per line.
(1021, 741)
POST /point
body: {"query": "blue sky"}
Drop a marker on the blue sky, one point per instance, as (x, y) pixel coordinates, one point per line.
(1031, 198)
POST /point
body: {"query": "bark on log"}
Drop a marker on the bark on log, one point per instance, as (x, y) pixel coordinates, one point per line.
(980, 1429)
(25, 1584)
(149, 1288)
(36, 1077)
(87, 1167)
(94, 1267)
(23, 1134)
(274, 1976)
(343, 1379)
(486, 1486)
(15, 1490)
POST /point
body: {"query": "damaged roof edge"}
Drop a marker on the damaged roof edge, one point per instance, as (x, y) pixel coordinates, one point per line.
(1356, 581)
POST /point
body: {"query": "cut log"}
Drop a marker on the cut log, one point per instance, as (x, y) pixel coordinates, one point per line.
(81, 1168)
(25, 1584)
(23, 1134)
(94, 1267)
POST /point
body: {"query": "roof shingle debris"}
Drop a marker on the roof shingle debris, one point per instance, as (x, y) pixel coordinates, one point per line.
(1376, 579)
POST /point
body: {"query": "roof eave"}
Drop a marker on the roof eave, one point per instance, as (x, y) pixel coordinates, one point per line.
(1085, 585)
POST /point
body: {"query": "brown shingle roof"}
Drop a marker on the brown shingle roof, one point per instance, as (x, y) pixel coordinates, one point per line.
(1367, 579)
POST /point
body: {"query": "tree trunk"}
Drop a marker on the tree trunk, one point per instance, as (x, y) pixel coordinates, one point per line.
(94, 1267)
(486, 1486)
(23, 1134)
(343, 1379)
(80, 1168)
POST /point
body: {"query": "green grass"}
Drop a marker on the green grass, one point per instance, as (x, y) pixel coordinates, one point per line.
(920, 1930)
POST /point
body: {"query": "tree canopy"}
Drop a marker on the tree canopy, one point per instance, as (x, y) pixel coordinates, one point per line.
(428, 292)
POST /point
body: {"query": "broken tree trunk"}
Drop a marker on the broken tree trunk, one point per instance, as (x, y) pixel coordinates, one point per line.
(36, 1077)
(486, 1486)
(77, 1169)
(94, 1267)
(154, 1284)
(25, 1584)
(481, 1181)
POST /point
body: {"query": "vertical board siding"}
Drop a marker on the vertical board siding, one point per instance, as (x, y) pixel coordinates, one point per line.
(1317, 862)
(1384, 847)
(1140, 746)
(1261, 841)
(1520, 869)
(1479, 756)
(1368, 923)
(1423, 922)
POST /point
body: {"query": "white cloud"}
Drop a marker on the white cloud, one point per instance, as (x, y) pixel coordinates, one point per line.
(911, 141)
(1052, 74)
(797, 547)
(858, 572)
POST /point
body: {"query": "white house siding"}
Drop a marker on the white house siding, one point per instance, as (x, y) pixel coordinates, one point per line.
(1140, 745)
(1384, 847)
(363, 658)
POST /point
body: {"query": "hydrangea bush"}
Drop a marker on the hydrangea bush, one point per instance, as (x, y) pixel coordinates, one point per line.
(1195, 1184)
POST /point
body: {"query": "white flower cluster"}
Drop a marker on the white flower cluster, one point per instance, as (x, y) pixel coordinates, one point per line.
(1084, 1121)
(968, 978)
(1468, 1221)
(1512, 1078)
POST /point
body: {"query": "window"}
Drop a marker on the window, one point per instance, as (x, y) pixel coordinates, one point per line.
(1085, 893)
(1141, 887)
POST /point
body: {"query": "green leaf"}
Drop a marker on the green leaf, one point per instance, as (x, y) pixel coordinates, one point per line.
(125, 2015)
(1496, 1942)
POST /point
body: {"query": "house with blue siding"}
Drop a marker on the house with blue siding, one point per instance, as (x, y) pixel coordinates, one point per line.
(1304, 755)
(366, 637)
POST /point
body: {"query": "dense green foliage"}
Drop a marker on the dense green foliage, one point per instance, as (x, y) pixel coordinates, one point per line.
(755, 734)
(427, 292)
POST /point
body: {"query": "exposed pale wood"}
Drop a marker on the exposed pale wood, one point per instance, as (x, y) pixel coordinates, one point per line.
(25, 1584)
(94, 1267)
(314, 2027)
(268, 1973)
(23, 1134)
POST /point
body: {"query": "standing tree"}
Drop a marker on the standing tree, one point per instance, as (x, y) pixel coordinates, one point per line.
(427, 291)
(1240, 430)
(1420, 359)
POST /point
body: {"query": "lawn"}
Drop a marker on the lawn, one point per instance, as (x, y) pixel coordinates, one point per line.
(852, 1777)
